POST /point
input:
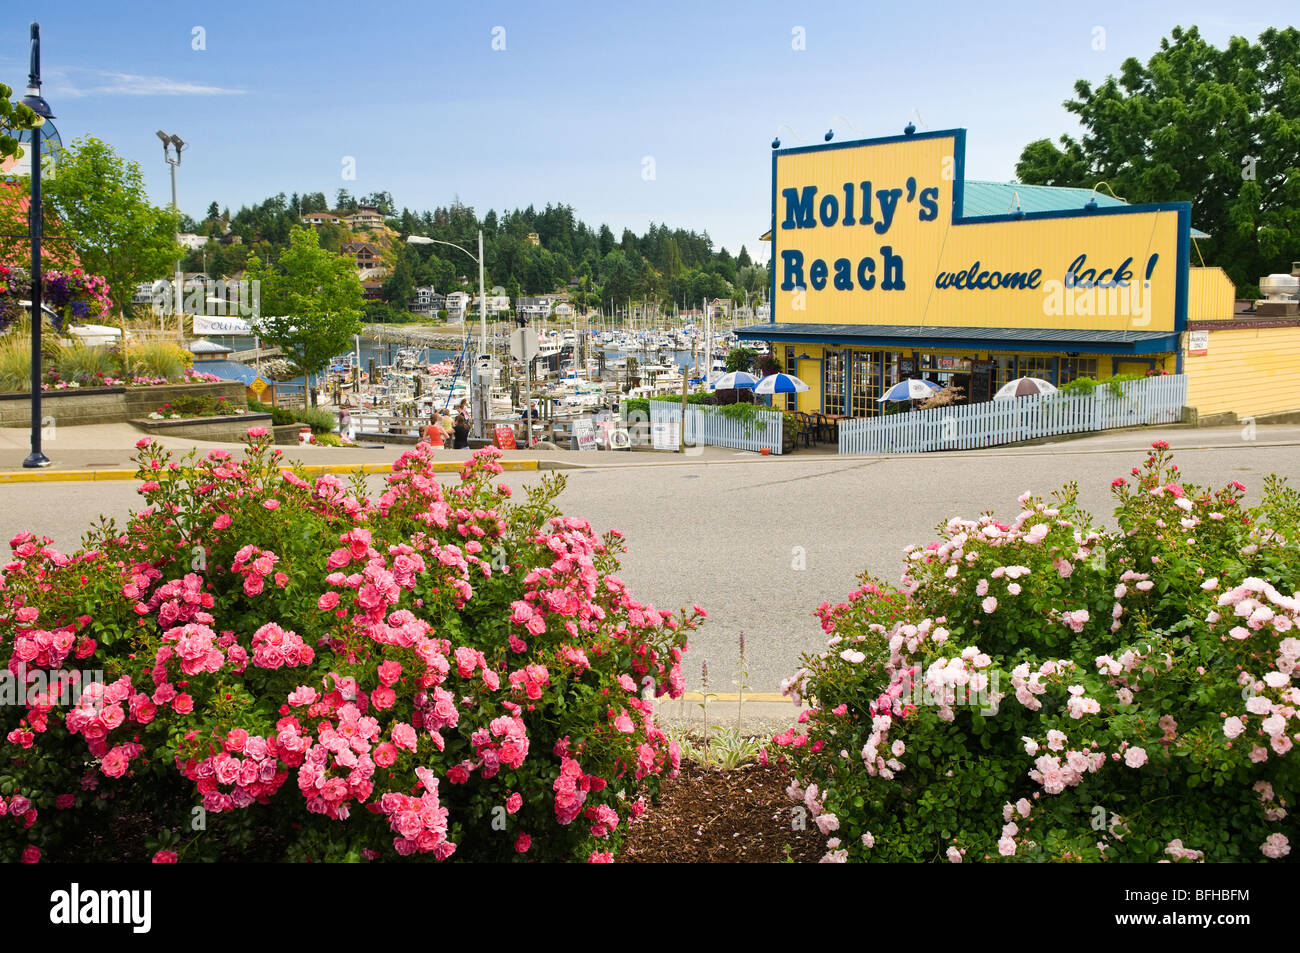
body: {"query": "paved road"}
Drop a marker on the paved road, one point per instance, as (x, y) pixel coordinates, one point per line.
(724, 534)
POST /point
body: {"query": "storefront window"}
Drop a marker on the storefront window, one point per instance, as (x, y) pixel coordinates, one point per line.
(833, 380)
(1004, 370)
(865, 385)
(1072, 368)
(1038, 365)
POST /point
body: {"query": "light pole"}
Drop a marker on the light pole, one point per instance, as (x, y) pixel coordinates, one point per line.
(37, 104)
(479, 424)
(482, 299)
(179, 144)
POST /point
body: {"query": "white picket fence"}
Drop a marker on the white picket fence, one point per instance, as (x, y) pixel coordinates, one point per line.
(709, 427)
(1153, 400)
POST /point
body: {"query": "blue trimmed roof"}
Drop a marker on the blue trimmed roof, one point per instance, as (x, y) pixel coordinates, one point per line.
(904, 336)
(227, 370)
(999, 198)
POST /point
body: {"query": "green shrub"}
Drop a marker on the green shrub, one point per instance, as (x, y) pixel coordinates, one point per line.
(15, 364)
(496, 714)
(197, 405)
(280, 416)
(84, 363)
(319, 419)
(1053, 690)
(157, 359)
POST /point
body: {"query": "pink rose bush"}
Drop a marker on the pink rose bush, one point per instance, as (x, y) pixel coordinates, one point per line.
(441, 672)
(1048, 688)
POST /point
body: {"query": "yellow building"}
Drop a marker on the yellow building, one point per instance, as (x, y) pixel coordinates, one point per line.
(889, 264)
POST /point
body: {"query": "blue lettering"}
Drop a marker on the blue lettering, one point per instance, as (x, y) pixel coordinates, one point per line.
(888, 205)
(866, 203)
(843, 274)
(792, 262)
(929, 205)
(893, 279)
(866, 274)
(817, 274)
(830, 210)
(848, 204)
(799, 207)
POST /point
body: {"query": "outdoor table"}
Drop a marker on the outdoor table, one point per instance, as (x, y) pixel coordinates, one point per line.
(833, 422)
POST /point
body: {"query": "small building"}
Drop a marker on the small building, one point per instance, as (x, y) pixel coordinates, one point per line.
(457, 303)
(496, 304)
(888, 264)
(317, 219)
(365, 217)
(364, 254)
(426, 302)
(205, 350)
(535, 307)
(372, 290)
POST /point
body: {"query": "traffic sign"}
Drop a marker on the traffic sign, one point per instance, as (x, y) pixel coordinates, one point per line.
(523, 345)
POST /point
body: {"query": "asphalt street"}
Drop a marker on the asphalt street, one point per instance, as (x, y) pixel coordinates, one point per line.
(732, 534)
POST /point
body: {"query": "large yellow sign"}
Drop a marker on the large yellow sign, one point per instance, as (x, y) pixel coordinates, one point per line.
(872, 232)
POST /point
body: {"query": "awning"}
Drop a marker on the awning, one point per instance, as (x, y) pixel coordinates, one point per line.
(912, 337)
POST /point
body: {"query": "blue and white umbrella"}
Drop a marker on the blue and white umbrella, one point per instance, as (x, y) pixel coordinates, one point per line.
(780, 384)
(736, 380)
(910, 389)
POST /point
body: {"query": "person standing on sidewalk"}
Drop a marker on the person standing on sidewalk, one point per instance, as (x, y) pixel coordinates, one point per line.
(461, 429)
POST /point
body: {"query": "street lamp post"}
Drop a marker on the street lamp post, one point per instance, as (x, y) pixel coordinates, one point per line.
(479, 429)
(34, 101)
(179, 297)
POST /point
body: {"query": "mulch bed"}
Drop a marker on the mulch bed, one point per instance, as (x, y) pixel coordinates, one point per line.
(706, 815)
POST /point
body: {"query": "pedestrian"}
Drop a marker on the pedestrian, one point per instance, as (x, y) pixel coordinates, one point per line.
(462, 426)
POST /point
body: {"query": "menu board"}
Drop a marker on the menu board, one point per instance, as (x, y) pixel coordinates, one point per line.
(981, 381)
(585, 434)
(666, 435)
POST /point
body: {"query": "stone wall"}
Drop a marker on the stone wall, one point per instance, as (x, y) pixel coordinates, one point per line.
(106, 405)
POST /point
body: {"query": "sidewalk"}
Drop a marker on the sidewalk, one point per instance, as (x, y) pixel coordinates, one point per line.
(104, 452)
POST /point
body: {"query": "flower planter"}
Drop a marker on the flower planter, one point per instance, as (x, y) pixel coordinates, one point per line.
(226, 428)
(102, 405)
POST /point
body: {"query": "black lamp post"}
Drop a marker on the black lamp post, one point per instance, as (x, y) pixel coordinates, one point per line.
(34, 101)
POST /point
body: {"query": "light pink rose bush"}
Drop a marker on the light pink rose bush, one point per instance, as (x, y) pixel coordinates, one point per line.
(432, 674)
(1054, 689)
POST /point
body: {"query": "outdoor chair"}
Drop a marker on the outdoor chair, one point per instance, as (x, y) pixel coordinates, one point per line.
(807, 428)
(825, 429)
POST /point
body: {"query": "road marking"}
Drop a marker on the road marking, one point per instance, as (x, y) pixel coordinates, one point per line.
(96, 476)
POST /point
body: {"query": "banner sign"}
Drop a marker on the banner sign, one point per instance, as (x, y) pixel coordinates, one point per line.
(204, 324)
(872, 232)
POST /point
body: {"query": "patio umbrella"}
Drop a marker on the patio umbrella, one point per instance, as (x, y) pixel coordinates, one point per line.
(736, 380)
(910, 389)
(780, 384)
(1024, 387)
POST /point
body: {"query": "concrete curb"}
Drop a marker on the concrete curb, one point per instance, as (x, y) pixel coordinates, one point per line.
(73, 476)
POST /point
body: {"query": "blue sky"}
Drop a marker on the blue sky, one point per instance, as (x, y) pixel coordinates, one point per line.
(581, 95)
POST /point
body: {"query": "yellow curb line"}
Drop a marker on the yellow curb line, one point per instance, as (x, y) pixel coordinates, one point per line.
(733, 697)
(76, 476)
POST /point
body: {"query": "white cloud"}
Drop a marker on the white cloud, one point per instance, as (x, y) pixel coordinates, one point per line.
(107, 83)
